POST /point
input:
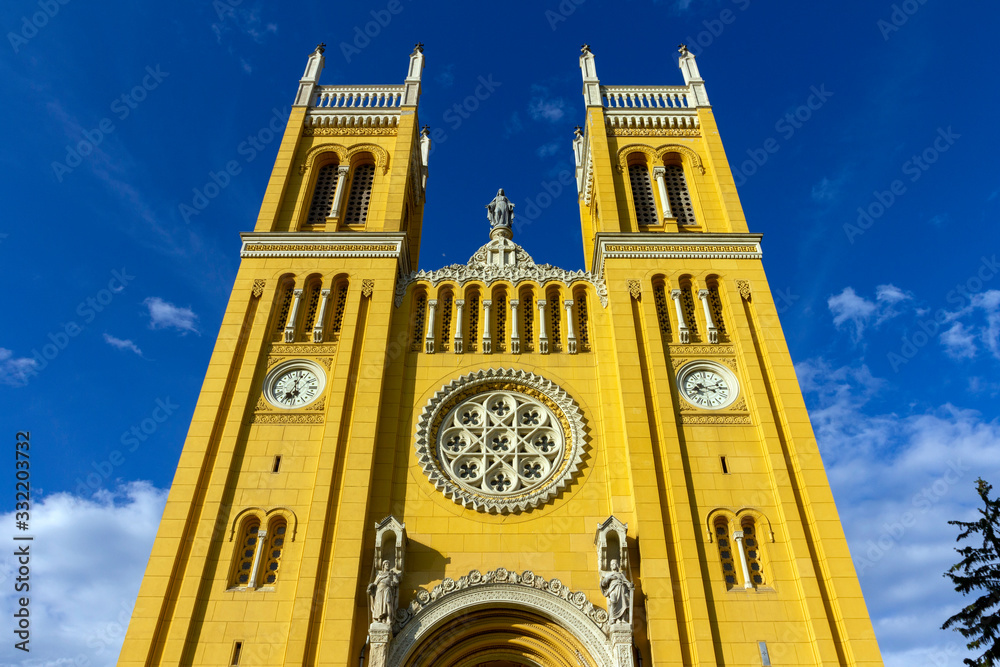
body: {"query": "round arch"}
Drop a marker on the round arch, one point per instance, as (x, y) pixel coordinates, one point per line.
(503, 622)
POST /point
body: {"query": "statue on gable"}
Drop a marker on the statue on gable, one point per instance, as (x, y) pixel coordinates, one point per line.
(500, 213)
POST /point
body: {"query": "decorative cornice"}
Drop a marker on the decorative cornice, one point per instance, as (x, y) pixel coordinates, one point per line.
(652, 132)
(327, 244)
(504, 588)
(655, 245)
(424, 599)
(509, 380)
(349, 131)
(278, 418)
(518, 268)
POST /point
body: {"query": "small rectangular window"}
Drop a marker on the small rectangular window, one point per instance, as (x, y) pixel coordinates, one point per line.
(765, 659)
(277, 464)
(237, 647)
(725, 466)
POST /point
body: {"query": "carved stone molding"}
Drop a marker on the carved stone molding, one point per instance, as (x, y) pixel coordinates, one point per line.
(568, 419)
(367, 287)
(655, 155)
(652, 132)
(258, 287)
(277, 418)
(332, 245)
(715, 419)
(516, 266)
(308, 349)
(349, 131)
(744, 287)
(700, 351)
(310, 158)
(635, 289)
(640, 245)
(502, 587)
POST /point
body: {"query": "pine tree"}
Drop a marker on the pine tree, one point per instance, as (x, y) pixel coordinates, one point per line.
(978, 570)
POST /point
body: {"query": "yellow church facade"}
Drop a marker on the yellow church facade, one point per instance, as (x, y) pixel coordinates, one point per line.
(500, 462)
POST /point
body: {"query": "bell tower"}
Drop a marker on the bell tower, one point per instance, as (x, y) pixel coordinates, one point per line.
(500, 462)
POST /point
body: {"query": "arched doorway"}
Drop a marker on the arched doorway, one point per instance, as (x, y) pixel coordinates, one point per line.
(499, 638)
(501, 619)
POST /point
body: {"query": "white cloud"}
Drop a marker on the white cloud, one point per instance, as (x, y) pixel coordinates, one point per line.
(849, 308)
(545, 107)
(122, 344)
(164, 315)
(446, 77)
(958, 342)
(87, 560)
(247, 21)
(548, 149)
(15, 371)
(898, 480)
(512, 125)
(825, 191)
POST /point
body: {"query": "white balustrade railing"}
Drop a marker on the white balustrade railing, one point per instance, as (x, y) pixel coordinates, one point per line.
(358, 97)
(647, 97)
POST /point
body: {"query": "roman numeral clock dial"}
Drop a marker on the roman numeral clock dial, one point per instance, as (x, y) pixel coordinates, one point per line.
(294, 384)
(707, 385)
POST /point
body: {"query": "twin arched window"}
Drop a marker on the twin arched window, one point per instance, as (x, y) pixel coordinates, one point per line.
(328, 193)
(258, 553)
(739, 552)
(673, 189)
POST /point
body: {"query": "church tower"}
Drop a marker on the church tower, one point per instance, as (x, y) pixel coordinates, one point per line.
(500, 462)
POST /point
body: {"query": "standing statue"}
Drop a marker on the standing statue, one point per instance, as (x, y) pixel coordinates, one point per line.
(500, 212)
(616, 587)
(384, 594)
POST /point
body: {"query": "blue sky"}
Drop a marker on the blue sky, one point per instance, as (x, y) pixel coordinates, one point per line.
(862, 134)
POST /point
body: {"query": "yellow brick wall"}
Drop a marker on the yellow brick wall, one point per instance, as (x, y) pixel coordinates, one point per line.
(358, 464)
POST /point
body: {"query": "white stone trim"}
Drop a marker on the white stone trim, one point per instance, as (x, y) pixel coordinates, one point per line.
(327, 244)
(502, 260)
(488, 380)
(504, 589)
(673, 246)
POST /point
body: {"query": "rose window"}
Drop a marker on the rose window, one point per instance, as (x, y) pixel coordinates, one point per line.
(501, 440)
(500, 443)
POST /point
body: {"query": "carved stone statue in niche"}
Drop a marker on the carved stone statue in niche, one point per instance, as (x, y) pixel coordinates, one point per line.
(616, 587)
(384, 594)
(500, 213)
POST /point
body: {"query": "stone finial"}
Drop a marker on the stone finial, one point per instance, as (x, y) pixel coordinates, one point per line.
(578, 132)
(411, 94)
(591, 84)
(320, 48)
(310, 78)
(418, 48)
(692, 77)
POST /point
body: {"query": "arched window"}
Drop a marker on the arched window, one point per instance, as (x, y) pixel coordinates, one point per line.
(725, 552)
(361, 194)
(679, 196)
(527, 317)
(446, 304)
(340, 304)
(417, 330)
(555, 306)
(642, 194)
(499, 314)
(662, 308)
(715, 305)
(323, 195)
(313, 293)
(284, 306)
(687, 304)
(752, 549)
(472, 321)
(246, 552)
(271, 558)
(582, 321)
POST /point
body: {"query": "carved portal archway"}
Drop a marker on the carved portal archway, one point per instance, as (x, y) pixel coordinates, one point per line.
(504, 624)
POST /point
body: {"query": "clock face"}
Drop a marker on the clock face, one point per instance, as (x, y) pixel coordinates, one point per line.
(707, 385)
(706, 389)
(294, 384)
